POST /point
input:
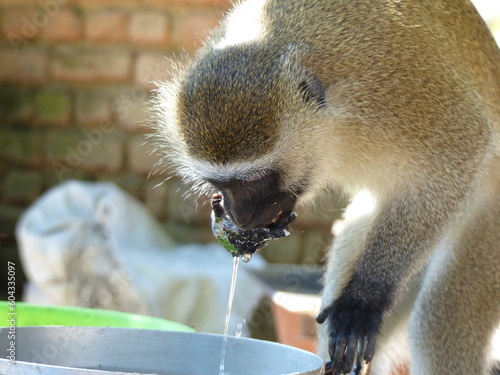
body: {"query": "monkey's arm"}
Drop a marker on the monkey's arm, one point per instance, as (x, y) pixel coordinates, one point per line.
(396, 248)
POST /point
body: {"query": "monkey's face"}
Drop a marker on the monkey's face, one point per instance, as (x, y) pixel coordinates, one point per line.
(241, 120)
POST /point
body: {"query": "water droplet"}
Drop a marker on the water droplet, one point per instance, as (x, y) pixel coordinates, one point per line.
(239, 329)
(246, 257)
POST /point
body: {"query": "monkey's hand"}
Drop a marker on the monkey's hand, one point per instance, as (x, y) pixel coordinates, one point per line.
(352, 327)
(244, 243)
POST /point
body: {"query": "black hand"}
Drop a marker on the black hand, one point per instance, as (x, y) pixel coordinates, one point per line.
(352, 327)
(217, 206)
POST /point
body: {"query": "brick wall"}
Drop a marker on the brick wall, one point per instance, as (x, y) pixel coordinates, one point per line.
(74, 78)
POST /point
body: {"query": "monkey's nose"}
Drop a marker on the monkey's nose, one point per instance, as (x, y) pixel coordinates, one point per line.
(254, 214)
(256, 203)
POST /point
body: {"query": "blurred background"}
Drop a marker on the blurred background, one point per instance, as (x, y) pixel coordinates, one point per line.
(75, 78)
(74, 71)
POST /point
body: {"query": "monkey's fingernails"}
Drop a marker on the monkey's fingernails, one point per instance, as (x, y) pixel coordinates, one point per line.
(217, 205)
(328, 368)
(369, 349)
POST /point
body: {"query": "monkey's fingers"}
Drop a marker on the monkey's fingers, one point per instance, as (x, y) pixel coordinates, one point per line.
(358, 366)
(328, 369)
(217, 206)
(337, 348)
(352, 338)
(369, 348)
(323, 315)
(287, 220)
(280, 228)
(344, 352)
(350, 354)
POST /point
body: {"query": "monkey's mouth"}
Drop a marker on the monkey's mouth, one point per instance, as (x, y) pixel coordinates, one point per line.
(246, 242)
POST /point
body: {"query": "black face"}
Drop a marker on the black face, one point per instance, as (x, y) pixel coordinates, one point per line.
(258, 203)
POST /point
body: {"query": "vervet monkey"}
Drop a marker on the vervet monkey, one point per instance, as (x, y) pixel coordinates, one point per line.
(396, 100)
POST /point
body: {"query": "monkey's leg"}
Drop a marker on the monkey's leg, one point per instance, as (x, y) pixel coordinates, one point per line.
(349, 234)
(392, 346)
(458, 307)
(399, 242)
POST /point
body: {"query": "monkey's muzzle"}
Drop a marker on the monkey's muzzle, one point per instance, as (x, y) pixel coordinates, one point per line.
(245, 242)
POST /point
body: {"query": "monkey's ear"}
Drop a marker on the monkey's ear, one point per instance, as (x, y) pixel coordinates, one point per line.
(312, 90)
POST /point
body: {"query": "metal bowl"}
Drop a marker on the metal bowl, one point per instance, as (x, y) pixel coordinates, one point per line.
(119, 351)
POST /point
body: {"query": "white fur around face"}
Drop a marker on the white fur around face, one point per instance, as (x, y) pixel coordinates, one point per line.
(198, 169)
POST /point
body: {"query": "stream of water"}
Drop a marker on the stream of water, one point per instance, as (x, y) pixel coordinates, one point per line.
(228, 316)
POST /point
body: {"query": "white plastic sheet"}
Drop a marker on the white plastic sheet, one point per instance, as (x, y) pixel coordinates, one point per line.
(93, 245)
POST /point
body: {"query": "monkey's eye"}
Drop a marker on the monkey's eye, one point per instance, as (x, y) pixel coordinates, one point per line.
(312, 90)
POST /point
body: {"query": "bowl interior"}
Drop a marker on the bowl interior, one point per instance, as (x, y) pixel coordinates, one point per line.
(77, 350)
